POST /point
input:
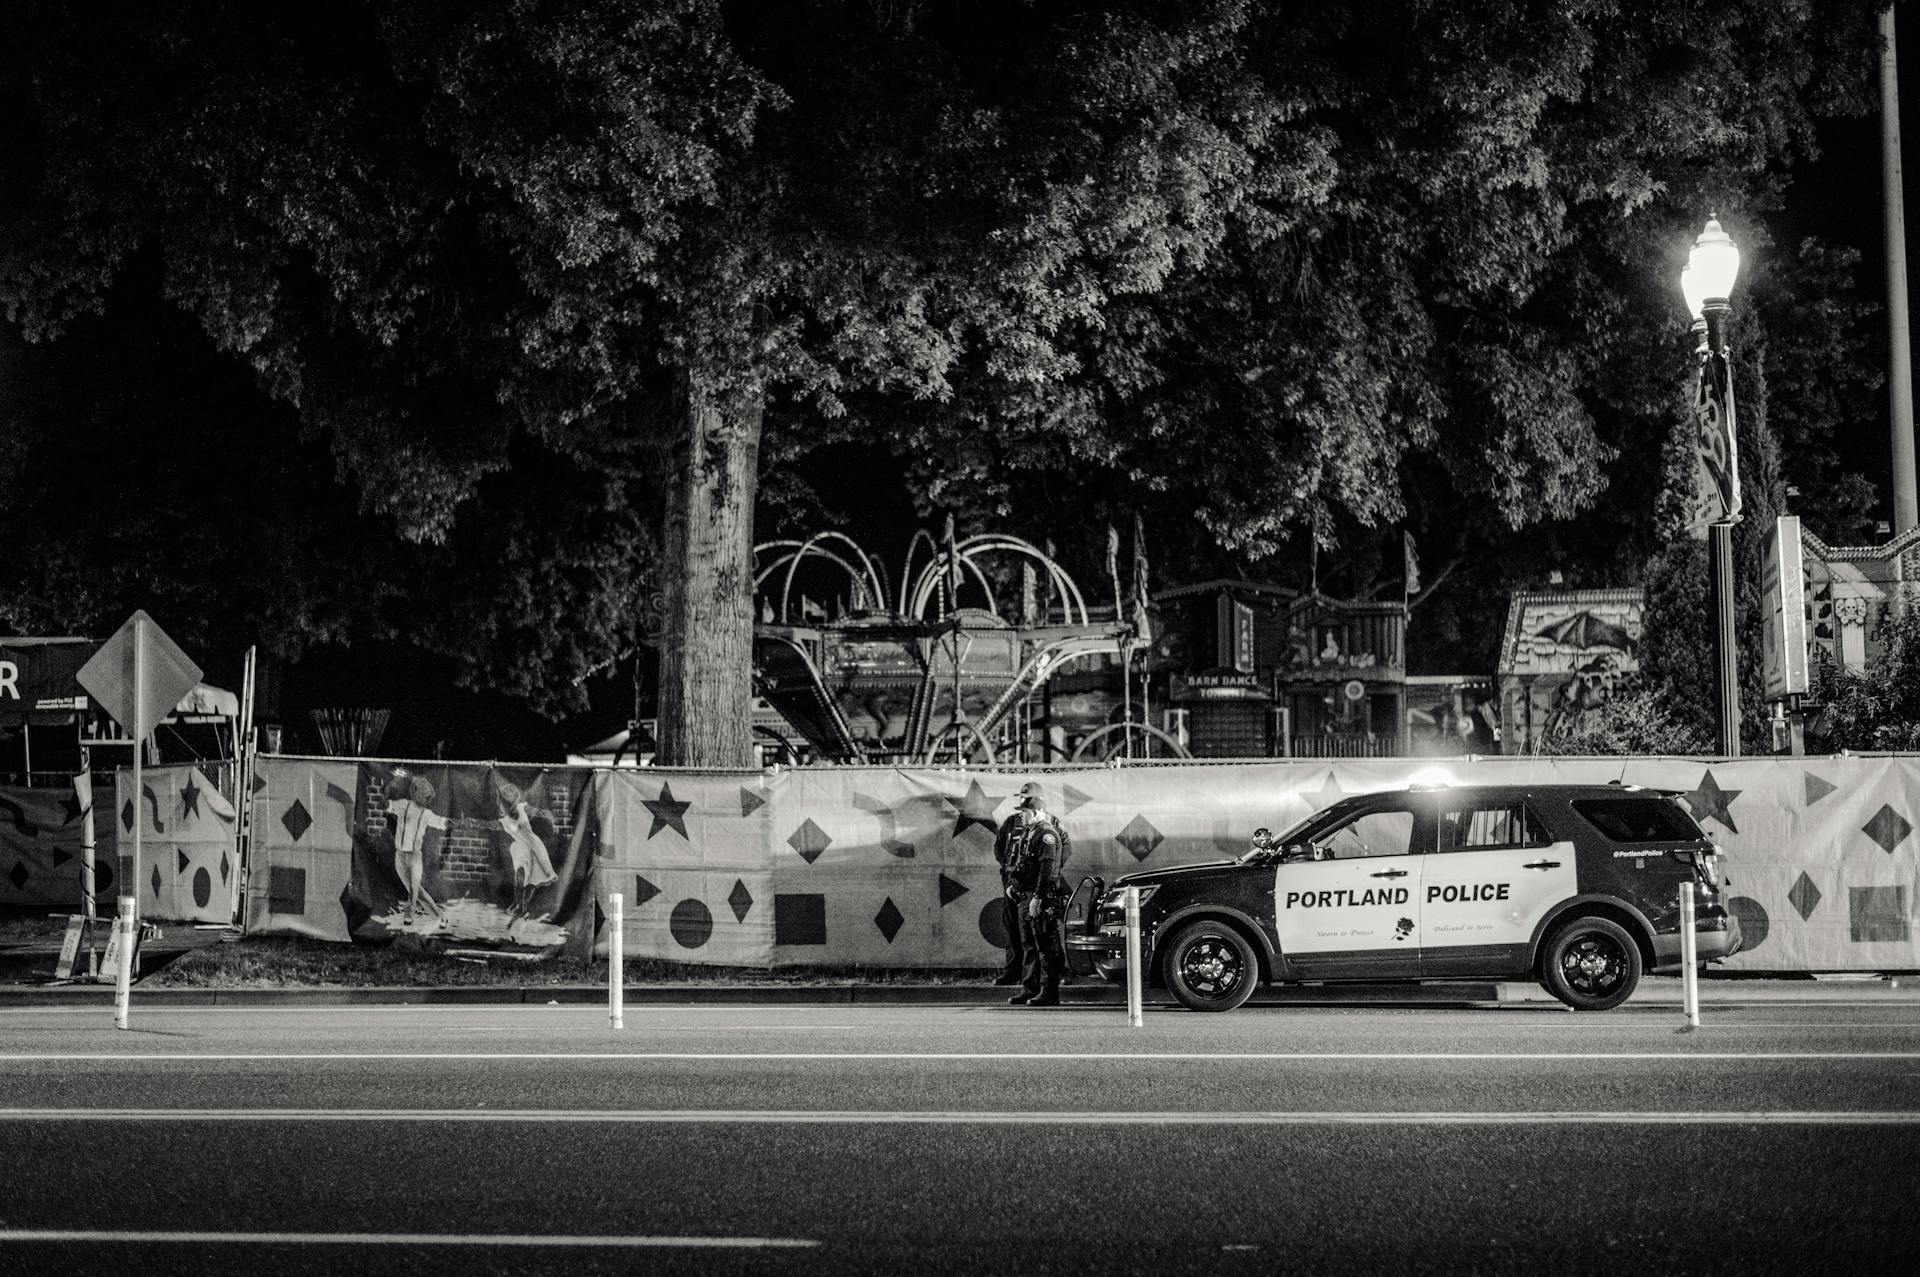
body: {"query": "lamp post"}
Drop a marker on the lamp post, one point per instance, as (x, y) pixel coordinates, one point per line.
(1707, 281)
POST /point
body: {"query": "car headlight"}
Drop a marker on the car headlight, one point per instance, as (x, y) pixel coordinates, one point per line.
(1116, 897)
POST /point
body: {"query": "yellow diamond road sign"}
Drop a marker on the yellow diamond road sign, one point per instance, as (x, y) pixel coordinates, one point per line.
(139, 675)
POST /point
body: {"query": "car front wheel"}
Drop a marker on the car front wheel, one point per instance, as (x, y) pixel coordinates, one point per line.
(1591, 964)
(1210, 967)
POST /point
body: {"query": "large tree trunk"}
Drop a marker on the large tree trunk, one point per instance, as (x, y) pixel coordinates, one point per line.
(706, 654)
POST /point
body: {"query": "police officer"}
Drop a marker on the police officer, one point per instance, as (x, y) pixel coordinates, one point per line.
(1013, 968)
(1036, 850)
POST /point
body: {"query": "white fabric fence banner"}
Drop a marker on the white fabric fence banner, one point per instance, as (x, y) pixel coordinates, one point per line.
(894, 866)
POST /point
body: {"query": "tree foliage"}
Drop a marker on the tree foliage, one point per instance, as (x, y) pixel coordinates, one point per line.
(529, 276)
(1877, 708)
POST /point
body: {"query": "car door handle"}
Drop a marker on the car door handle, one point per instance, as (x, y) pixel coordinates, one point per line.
(1541, 864)
(1392, 873)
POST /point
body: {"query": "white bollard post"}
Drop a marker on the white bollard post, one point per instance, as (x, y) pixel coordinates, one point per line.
(1689, 958)
(123, 928)
(617, 960)
(1135, 978)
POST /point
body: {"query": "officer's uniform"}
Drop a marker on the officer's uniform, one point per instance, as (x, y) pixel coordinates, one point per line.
(1036, 851)
(1013, 968)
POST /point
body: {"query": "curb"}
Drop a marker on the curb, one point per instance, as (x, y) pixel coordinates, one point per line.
(981, 996)
(1655, 992)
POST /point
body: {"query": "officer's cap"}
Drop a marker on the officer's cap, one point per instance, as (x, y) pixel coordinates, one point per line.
(1026, 791)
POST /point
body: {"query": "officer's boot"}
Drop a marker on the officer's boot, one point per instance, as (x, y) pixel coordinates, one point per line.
(1047, 997)
(1023, 997)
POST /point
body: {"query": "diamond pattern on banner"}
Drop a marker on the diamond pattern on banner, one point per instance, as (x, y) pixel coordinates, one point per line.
(1805, 897)
(1887, 828)
(950, 891)
(740, 900)
(226, 870)
(18, 875)
(1139, 838)
(154, 881)
(1818, 789)
(809, 840)
(126, 816)
(888, 920)
(643, 891)
(296, 820)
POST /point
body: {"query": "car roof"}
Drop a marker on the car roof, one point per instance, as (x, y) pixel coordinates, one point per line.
(1558, 789)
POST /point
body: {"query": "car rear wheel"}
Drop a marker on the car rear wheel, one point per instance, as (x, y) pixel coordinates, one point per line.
(1210, 967)
(1591, 964)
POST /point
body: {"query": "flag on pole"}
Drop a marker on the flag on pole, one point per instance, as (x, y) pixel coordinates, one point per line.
(953, 567)
(1113, 568)
(1412, 563)
(1141, 627)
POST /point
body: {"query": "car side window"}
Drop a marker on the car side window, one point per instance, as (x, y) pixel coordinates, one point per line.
(1374, 833)
(1490, 827)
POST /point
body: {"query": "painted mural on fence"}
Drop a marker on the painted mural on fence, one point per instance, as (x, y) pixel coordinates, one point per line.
(894, 867)
(187, 871)
(450, 855)
(40, 847)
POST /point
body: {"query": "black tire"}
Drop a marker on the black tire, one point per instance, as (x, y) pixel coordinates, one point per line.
(1209, 966)
(1591, 964)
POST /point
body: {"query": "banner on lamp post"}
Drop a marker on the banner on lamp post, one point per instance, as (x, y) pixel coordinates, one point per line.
(1716, 488)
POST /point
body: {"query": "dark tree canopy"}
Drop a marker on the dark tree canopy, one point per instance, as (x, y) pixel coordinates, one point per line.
(538, 293)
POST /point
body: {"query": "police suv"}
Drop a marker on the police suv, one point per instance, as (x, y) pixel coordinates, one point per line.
(1575, 886)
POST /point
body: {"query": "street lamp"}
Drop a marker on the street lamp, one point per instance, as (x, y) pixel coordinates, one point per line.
(1706, 282)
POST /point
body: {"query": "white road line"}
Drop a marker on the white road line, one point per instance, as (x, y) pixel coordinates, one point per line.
(962, 1117)
(129, 1057)
(30, 1235)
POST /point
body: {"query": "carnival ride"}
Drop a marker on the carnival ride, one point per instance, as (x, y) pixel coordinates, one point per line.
(916, 677)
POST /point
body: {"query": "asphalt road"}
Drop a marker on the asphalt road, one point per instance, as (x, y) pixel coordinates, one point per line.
(1782, 1136)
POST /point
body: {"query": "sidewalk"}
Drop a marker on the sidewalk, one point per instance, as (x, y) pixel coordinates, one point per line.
(1659, 990)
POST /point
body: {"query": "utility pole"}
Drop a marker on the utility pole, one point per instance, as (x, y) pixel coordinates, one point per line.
(1906, 506)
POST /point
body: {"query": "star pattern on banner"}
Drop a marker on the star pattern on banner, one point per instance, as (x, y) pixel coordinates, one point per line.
(1711, 800)
(1330, 793)
(667, 813)
(190, 799)
(975, 808)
